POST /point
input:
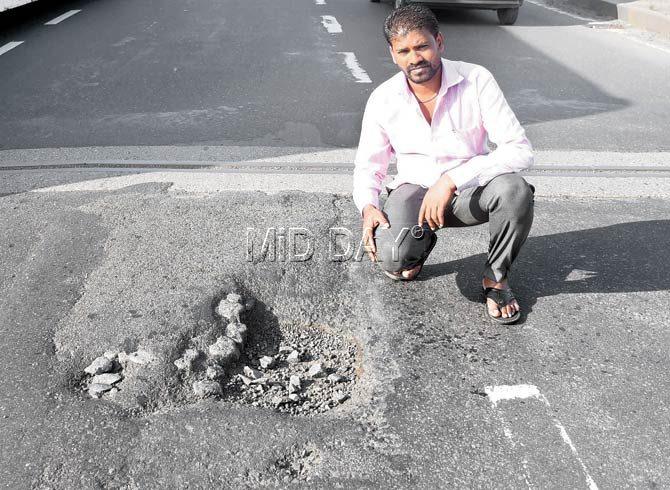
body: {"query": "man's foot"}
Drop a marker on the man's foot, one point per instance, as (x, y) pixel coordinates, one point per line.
(506, 311)
(406, 275)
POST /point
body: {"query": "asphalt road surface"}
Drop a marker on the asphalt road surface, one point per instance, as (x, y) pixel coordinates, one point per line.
(140, 140)
(269, 73)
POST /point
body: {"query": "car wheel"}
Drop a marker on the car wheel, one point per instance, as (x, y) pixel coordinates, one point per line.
(507, 17)
(400, 3)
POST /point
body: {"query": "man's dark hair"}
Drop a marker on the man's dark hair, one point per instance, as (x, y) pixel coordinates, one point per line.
(411, 17)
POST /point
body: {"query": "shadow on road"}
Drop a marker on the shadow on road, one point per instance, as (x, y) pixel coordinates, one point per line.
(622, 258)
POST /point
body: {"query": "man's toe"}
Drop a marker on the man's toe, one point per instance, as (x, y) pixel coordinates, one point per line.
(493, 309)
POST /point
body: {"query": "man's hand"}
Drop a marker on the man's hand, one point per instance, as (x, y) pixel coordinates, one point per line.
(372, 217)
(435, 202)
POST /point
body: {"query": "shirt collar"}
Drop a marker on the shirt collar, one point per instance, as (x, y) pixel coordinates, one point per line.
(450, 77)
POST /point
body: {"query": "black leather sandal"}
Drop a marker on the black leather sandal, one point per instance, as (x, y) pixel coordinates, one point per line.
(502, 298)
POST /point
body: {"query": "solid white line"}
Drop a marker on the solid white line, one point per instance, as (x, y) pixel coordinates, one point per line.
(61, 18)
(559, 11)
(9, 46)
(568, 441)
(497, 394)
(352, 63)
(331, 24)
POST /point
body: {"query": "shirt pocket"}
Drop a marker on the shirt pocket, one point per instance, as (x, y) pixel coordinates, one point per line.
(460, 143)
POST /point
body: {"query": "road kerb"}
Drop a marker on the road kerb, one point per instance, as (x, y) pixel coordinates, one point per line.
(645, 15)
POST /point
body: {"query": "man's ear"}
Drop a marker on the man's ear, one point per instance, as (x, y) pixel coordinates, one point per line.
(392, 54)
(440, 42)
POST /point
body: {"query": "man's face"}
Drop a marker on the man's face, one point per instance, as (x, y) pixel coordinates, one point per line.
(417, 54)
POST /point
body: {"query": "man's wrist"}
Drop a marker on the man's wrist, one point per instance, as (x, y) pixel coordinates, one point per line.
(367, 207)
(449, 182)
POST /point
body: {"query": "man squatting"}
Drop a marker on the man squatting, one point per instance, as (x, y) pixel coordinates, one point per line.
(436, 117)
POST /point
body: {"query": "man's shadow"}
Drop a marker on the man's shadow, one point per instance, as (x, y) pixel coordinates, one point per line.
(622, 258)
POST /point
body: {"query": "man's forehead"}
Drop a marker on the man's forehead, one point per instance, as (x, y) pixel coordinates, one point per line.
(411, 37)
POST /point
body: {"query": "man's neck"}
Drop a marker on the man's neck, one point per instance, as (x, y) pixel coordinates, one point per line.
(428, 88)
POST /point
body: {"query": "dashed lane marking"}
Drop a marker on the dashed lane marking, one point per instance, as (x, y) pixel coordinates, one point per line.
(320, 2)
(9, 46)
(61, 18)
(352, 63)
(498, 394)
(331, 24)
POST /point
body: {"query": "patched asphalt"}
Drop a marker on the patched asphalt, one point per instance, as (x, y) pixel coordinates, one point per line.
(87, 271)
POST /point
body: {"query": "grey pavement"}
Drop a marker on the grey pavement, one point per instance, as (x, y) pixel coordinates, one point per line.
(89, 271)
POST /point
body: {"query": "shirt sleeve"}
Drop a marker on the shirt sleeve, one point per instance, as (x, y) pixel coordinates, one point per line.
(372, 158)
(513, 151)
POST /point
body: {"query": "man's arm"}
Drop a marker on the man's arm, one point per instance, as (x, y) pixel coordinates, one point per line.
(372, 159)
(513, 151)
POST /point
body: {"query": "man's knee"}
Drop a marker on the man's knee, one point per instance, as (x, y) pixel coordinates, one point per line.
(512, 192)
(399, 247)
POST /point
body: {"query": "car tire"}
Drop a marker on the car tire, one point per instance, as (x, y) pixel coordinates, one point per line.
(400, 3)
(507, 17)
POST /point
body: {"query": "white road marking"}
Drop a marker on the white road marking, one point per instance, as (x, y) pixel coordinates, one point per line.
(496, 394)
(320, 2)
(580, 275)
(9, 46)
(331, 24)
(568, 441)
(352, 63)
(61, 18)
(512, 392)
(559, 11)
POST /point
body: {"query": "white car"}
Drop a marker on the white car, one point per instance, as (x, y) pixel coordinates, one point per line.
(507, 10)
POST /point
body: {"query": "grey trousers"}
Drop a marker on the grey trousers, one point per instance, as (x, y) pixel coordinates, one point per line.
(506, 203)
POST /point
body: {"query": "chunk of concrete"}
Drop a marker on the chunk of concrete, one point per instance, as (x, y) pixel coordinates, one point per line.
(106, 378)
(229, 311)
(234, 298)
(340, 397)
(191, 354)
(96, 390)
(293, 357)
(252, 373)
(266, 362)
(99, 365)
(206, 388)
(214, 372)
(335, 378)
(294, 384)
(237, 332)
(224, 351)
(185, 362)
(316, 370)
(111, 354)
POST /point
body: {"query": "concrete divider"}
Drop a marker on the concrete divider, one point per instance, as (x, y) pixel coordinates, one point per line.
(650, 15)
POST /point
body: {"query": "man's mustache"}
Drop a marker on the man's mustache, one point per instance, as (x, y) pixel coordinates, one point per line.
(422, 65)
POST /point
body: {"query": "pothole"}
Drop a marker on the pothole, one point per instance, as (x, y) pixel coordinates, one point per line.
(245, 355)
